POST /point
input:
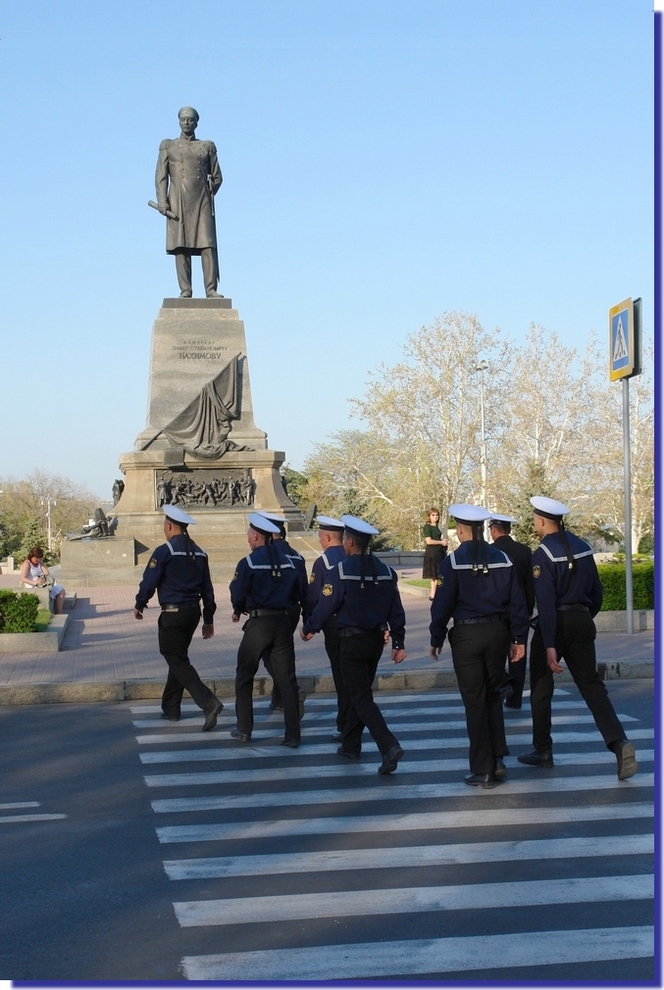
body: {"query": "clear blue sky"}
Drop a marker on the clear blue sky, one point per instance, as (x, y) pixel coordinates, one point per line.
(384, 161)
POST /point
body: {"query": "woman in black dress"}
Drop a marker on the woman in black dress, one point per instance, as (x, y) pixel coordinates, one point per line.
(435, 549)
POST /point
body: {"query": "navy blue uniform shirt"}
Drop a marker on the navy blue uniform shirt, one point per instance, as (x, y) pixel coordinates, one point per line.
(321, 573)
(466, 593)
(298, 561)
(360, 601)
(255, 586)
(556, 584)
(178, 578)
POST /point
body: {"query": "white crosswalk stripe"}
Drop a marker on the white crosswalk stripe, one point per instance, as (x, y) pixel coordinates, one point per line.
(23, 818)
(399, 900)
(350, 770)
(296, 841)
(431, 744)
(399, 857)
(422, 957)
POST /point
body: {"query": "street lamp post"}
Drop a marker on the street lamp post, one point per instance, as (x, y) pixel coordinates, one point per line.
(50, 504)
(482, 367)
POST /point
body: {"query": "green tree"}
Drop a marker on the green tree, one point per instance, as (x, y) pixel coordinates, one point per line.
(535, 482)
(23, 501)
(33, 536)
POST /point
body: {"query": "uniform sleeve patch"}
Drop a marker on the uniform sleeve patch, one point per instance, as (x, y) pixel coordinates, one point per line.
(327, 590)
(153, 563)
(312, 578)
(537, 570)
(235, 576)
(439, 582)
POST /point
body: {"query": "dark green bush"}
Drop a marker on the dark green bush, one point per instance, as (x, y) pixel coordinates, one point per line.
(18, 611)
(612, 577)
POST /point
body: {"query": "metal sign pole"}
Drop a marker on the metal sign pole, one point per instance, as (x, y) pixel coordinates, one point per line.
(629, 595)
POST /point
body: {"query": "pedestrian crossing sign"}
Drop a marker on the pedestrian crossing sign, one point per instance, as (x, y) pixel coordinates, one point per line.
(624, 340)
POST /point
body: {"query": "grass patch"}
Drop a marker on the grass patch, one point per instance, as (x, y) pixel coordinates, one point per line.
(43, 619)
(419, 582)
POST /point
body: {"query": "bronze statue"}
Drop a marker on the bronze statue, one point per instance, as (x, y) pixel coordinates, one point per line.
(118, 488)
(187, 179)
(97, 529)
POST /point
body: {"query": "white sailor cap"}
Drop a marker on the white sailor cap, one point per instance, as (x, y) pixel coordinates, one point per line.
(358, 526)
(497, 517)
(550, 508)
(327, 522)
(175, 514)
(468, 514)
(272, 516)
(262, 524)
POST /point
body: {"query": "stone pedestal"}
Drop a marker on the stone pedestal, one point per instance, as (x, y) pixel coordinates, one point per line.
(199, 372)
(192, 341)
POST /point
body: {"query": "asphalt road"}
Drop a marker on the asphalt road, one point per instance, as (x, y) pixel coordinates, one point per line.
(137, 849)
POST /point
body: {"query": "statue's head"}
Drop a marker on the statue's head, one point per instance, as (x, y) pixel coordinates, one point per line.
(188, 118)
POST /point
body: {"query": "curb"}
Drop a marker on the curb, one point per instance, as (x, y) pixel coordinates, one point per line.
(37, 642)
(86, 692)
(643, 619)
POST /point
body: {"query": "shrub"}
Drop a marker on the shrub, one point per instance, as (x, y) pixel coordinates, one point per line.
(612, 577)
(18, 611)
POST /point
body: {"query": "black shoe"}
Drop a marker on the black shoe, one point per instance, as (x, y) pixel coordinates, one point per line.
(499, 770)
(337, 737)
(480, 780)
(538, 758)
(626, 756)
(240, 736)
(211, 715)
(275, 708)
(301, 695)
(349, 756)
(291, 743)
(510, 703)
(171, 718)
(506, 691)
(391, 759)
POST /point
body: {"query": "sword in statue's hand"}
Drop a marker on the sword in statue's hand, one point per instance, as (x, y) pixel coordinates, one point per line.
(166, 213)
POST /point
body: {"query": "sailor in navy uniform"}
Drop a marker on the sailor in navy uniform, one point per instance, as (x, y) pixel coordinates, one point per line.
(569, 595)
(500, 527)
(178, 571)
(362, 592)
(330, 533)
(477, 587)
(265, 585)
(294, 611)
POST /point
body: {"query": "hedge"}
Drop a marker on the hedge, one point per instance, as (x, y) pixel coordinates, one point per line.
(612, 577)
(18, 611)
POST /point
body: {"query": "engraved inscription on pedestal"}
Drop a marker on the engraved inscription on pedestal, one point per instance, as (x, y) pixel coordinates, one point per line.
(199, 391)
(201, 489)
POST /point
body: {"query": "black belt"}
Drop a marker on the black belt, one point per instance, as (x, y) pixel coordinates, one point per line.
(573, 608)
(256, 612)
(345, 631)
(480, 618)
(180, 608)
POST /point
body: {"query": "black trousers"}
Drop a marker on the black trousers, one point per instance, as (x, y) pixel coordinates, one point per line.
(478, 655)
(333, 650)
(272, 633)
(575, 642)
(176, 630)
(275, 698)
(516, 676)
(359, 656)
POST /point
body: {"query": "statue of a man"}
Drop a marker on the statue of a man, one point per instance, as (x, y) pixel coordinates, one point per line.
(187, 179)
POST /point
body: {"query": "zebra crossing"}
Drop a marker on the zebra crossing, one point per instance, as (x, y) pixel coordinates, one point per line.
(298, 865)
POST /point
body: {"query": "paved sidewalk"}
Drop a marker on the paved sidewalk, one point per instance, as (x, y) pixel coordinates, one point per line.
(108, 655)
